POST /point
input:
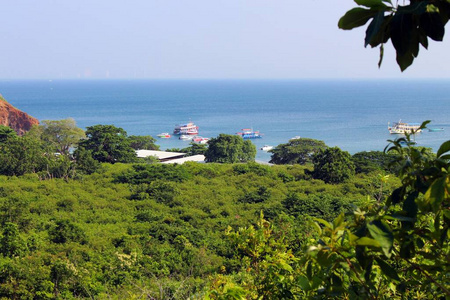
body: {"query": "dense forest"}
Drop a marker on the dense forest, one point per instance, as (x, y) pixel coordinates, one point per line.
(82, 217)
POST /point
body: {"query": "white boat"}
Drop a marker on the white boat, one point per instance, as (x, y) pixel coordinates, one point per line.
(185, 137)
(186, 129)
(266, 148)
(297, 137)
(403, 127)
(200, 140)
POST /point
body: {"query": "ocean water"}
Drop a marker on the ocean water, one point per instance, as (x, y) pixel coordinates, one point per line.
(350, 114)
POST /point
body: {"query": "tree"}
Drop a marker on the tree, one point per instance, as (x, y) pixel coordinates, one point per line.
(369, 161)
(6, 133)
(108, 143)
(407, 26)
(61, 135)
(333, 165)
(22, 155)
(228, 148)
(296, 151)
(146, 142)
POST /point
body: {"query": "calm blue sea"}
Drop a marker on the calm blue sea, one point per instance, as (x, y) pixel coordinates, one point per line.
(350, 114)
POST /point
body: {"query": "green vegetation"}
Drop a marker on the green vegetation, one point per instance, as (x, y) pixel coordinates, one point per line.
(316, 230)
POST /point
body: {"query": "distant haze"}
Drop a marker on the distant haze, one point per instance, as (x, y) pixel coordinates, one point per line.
(54, 39)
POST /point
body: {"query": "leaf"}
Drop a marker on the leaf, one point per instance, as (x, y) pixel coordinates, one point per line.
(371, 3)
(410, 206)
(303, 282)
(401, 28)
(405, 60)
(381, 232)
(381, 56)
(322, 221)
(432, 24)
(436, 193)
(387, 269)
(374, 27)
(445, 147)
(365, 241)
(338, 221)
(355, 17)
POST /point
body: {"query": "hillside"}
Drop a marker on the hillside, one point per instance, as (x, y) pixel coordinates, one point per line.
(18, 120)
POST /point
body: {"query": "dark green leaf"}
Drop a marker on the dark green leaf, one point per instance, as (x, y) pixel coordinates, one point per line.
(423, 40)
(381, 55)
(410, 206)
(387, 269)
(445, 147)
(405, 60)
(381, 232)
(355, 17)
(401, 28)
(420, 243)
(374, 27)
(432, 24)
(397, 195)
(407, 250)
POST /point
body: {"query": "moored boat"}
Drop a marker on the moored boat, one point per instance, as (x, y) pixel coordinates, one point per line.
(200, 140)
(249, 134)
(186, 129)
(185, 137)
(403, 127)
(266, 148)
(435, 129)
(164, 135)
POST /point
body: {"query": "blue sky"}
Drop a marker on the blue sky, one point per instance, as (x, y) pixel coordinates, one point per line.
(256, 39)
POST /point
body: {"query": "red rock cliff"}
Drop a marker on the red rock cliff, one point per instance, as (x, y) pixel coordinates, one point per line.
(18, 120)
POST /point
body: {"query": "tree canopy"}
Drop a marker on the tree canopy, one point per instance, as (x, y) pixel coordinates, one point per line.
(296, 151)
(61, 135)
(108, 143)
(333, 165)
(227, 148)
(407, 26)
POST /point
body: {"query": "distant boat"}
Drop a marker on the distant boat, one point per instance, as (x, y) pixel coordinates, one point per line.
(186, 129)
(185, 137)
(403, 127)
(164, 135)
(297, 137)
(200, 140)
(435, 129)
(266, 148)
(249, 134)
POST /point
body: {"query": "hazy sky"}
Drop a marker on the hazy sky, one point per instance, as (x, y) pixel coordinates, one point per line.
(51, 39)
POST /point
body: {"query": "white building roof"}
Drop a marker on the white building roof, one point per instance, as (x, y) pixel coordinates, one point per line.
(158, 154)
(196, 158)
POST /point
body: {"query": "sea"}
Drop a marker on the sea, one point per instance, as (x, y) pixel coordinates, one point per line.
(351, 114)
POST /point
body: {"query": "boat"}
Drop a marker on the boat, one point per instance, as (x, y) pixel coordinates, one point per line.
(186, 129)
(249, 134)
(403, 127)
(297, 137)
(200, 140)
(186, 137)
(164, 135)
(435, 129)
(266, 148)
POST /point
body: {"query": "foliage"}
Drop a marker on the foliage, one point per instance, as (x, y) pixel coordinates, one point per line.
(370, 161)
(139, 173)
(108, 143)
(193, 149)
(21, 155)
(61, 135)
(333, 165)
(228, 148)
(138, 142)
(296, 151)
(407, 26)
(6, 133)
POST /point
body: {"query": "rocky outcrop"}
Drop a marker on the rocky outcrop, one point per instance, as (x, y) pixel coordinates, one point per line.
(18, 120)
